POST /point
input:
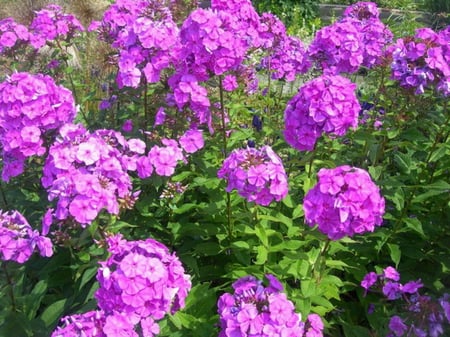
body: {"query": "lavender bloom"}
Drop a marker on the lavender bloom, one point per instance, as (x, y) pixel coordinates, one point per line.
(18, 240)
(422, 61)
(257, 175)
(338, 48)
(142, 281)
(326, 104)
(32, 108)
(344, 202)
(87, 173)
(262, 311)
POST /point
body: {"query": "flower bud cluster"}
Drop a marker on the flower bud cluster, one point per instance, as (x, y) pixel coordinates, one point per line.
(421, 315)
(32, 109)
(87, 173)
(326, 104)
(344, 202)
(256, 310)
(18, 240)
(257, 175)
(423, 61)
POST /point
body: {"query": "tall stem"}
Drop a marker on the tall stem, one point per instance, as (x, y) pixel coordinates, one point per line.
(10, 284)
(225, 154)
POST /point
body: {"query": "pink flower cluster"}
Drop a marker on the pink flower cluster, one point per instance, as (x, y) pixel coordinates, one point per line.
(139, 284)
(12, 35)
(87, 173)
(146, 37)
(89, 324)
(344, 202)
(256, 310)
(423, 61)
(362, 11)
(287, 57)
(257, 175)
(18, 240)
(357, 39)
(50, 24)
(32, 108)
(423, 315)
(325, 104)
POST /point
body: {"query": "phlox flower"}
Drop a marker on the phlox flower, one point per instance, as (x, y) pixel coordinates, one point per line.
(257, 175)
(86, 173)
(18, 240)
(344, 202)
(422, 61)
(142, 281)
(257, 310)
(327, 104)
(32, 108)
(192, 141)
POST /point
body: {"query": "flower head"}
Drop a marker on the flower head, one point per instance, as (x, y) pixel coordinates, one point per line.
(344, 202)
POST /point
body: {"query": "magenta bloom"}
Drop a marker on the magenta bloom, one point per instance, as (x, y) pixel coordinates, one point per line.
(192, 141)
(18, 240)
(32, 108)
(88, 324)
(344, 202)
(391, 273)
(327, 104)
(257, 310)
(422, 61)
(87, 173)
(257, 175)
(338, 48)
(142, 280)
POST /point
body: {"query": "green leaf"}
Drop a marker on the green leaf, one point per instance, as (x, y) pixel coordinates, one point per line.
(52, 313)
(261, 256)
(414, 224)
(440, 152)
(240, 245)
(403, 161)
(395, 253)
(355, 331)
(261, 234)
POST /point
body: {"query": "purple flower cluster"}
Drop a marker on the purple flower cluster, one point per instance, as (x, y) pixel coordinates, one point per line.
(12, 35)
(338, 48)
(89, 324)
(325, 104)
(423, 61)
(362, 11)
(87, 173)
(344, 202)
(18, 240)
(32, 108)
(359, 38)
(140, 283)
(257, 175)
(256, 310)
(423, 317)
(146, 38)
(50, 24)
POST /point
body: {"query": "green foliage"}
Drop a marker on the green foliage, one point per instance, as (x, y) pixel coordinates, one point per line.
(220, 237)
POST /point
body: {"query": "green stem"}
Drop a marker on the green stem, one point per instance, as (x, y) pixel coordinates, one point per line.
(320, 261)
(11, 285)
(225, 154)
(72, 83)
